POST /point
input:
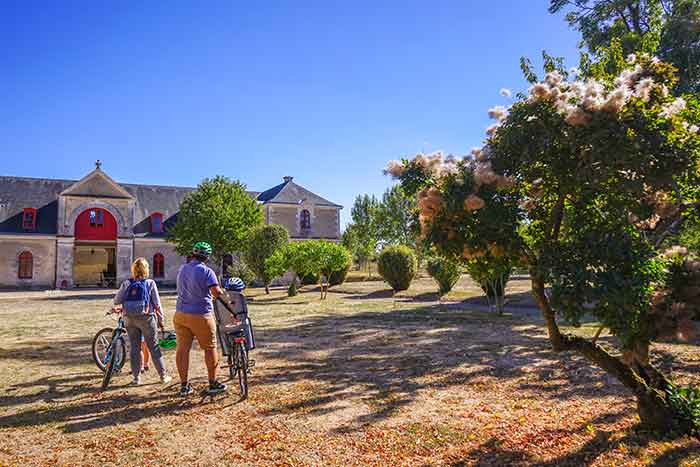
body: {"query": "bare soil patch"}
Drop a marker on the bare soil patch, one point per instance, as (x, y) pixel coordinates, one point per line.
(362, 378)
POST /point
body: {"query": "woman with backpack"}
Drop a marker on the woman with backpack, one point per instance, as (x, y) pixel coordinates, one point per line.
(143, 316)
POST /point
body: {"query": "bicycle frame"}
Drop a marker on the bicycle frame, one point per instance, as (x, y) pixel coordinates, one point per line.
(118, 332)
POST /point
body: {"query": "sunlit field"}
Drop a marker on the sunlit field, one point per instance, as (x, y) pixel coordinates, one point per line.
(362, 378)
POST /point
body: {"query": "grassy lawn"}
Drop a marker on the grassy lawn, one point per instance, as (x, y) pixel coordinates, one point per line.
(359, 379)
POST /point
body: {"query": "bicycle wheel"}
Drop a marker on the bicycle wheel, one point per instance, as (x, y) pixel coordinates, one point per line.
(100, 344)
(231, 366)
(242, 368)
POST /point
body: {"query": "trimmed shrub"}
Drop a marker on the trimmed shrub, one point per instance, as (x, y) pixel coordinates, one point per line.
(397, 265)
(445, 273)
(338, 277)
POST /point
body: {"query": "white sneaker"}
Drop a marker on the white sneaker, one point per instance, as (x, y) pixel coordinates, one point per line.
(165, 379)
(135, 382)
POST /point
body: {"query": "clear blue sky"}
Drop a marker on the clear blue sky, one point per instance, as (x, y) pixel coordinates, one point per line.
(325, 91)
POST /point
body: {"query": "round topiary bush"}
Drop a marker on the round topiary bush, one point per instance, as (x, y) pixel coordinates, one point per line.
(338, 277)
(397, 265)
(446, 273)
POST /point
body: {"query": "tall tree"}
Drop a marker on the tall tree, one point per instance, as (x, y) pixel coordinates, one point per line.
(262, 243)
(365, 228)
(669, 29)
(396, 218)
(219, 212)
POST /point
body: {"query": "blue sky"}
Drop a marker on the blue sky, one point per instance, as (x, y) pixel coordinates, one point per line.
(170, 93)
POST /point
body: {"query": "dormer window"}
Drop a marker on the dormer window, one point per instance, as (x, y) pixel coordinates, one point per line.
(305, 219)
(29, 219)
(156, 222)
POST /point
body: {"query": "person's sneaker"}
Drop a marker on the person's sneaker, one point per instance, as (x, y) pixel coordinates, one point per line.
(165, 379)
(215, 387)
(135, 382)
(185, 390)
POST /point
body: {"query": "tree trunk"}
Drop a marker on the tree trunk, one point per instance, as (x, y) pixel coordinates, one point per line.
(499, 300)
(267, 289)
(632, 369)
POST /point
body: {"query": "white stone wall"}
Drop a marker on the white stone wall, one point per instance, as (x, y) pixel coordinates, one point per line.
(147, 248)
(44, 253)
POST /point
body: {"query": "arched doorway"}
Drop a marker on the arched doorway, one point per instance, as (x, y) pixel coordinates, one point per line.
(95, 248)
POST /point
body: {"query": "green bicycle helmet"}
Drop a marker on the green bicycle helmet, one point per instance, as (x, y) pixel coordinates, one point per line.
(202, 249)
(167, 340)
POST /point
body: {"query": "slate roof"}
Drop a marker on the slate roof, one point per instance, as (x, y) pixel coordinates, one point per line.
(17, 193)
(289, 192)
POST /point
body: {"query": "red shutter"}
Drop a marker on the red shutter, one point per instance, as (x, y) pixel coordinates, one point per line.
(29, 219)
(26, 265)
(158, 265)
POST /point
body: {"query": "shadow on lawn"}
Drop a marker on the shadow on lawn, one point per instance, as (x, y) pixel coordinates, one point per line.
(61, 353)
(51, 389)
(385, 359)
(101, 409)
(492, 451)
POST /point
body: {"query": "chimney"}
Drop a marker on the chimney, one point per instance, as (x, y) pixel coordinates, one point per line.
(287, 178)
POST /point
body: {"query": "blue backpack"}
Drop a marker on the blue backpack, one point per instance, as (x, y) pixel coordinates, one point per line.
(136, 298)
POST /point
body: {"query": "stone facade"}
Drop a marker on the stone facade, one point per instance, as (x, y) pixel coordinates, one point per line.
(57, 207)
(43, 250)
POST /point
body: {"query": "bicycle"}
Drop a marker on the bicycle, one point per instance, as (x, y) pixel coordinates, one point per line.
(238, 362)
(100, 344)
(115, 354)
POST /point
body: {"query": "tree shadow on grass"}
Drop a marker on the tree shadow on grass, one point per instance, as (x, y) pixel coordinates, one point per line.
(61, 353)
(51, 389)
(493, 452)
(99, 410)
(386, 359)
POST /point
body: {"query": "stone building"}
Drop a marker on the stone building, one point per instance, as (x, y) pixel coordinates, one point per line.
(67, 233)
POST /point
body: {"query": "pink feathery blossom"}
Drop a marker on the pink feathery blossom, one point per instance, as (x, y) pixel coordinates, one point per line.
(643, 88)
(672, 108)
(505, 92)
(473, 202)
(394, 168)
(498, 113)
(491, 130)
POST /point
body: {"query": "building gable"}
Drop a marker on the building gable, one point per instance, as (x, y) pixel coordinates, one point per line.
(97, 184)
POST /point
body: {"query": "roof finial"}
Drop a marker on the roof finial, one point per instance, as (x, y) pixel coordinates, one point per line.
(98, 164)
(287, 178)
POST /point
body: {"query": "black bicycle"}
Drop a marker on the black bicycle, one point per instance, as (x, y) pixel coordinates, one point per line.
(238, 363)
(115, 352)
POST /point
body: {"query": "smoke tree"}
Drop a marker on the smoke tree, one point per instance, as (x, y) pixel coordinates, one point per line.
(582, 181)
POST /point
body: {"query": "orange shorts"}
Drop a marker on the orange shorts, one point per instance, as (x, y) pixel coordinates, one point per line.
(189, 326)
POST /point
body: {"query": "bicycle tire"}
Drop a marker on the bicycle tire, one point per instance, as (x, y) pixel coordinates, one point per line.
(105, 336)
(102, 337)
(231, 366)
(242, 369)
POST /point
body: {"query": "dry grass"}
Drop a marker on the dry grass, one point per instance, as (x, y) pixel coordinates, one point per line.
(359, 379)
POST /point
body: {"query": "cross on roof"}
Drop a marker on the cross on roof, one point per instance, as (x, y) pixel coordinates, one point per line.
(98, 164)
